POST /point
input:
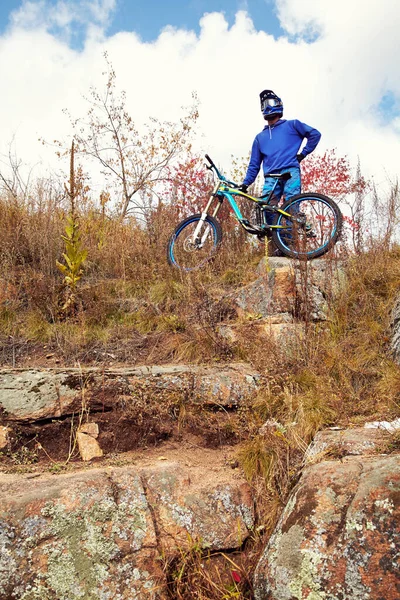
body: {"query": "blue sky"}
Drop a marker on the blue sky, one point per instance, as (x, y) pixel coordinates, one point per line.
(6, 6)
(148, 17)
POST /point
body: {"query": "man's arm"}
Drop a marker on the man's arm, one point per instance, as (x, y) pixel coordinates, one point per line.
(312, 135)
(254, 164)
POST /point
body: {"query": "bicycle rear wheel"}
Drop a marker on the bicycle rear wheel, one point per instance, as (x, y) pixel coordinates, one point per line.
(189, 253)
(314, 229)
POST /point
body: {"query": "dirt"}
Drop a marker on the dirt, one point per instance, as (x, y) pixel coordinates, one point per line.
(158, 428)
(188, 451)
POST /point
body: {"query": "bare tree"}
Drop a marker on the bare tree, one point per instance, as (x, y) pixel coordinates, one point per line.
(133, 163)
(386, 214)
(12, 180)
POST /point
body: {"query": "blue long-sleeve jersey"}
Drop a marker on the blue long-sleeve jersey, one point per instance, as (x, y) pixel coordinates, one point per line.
(277, 146)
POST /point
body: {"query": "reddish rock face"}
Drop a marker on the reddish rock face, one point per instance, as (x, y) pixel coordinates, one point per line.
(103, 533)
(338, 537)
(290, 287)
(65, 537)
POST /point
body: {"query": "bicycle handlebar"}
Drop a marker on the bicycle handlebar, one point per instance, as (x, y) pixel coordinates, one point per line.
(220, 176)
(209, 160)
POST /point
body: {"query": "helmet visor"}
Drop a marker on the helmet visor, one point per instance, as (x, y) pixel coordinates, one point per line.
(270, 103)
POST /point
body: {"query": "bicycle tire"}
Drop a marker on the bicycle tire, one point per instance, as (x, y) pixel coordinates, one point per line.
(188, 257)
(322, 226)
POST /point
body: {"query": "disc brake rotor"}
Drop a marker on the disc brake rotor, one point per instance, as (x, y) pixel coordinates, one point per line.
(189, 245)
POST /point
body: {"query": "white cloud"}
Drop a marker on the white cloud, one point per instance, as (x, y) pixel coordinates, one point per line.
(34, 14)
(334, 83)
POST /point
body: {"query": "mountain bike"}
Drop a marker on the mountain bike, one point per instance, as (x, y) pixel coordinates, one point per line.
(305, 227)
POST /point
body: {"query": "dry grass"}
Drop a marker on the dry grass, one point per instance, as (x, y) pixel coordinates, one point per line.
(133, 306)
(195, 573)
(127, 290)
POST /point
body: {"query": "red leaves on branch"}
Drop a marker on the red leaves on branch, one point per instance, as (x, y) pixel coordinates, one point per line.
(188, 187)
(351, 222)
(331, 175)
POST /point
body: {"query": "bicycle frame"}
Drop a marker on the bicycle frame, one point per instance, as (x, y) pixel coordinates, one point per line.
(224, 188)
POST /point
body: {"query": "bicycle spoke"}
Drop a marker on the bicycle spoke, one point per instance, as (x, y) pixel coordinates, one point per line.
(314, 228)
(188, 252)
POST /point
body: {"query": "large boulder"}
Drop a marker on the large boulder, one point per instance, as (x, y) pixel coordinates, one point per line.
(104, 533)
(338, 536)
(288, 287)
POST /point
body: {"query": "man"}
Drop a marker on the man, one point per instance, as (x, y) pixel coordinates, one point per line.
(277, 147)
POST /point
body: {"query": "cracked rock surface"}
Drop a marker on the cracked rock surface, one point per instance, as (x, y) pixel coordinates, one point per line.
(290, 288)
(339, 535)
(102, 533)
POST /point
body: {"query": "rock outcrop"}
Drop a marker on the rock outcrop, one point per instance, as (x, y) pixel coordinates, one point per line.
(109, 532)
(338, 536)
(32, 395)
(104, 533)
(290, 288)
(285, 295)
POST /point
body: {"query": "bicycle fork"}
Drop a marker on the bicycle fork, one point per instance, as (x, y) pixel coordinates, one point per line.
(200, 241)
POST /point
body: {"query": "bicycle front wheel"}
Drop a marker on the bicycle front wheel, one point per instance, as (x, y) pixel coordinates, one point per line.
(313, 229)
(189, 250)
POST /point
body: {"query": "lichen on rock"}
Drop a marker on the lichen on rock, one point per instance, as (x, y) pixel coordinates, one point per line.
(338, 536)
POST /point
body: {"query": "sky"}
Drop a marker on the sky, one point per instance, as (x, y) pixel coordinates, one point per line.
(334, 64)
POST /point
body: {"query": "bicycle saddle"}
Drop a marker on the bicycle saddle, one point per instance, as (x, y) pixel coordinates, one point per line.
(283, 176)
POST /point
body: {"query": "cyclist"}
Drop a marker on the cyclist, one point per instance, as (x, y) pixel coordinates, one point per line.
(277, 147)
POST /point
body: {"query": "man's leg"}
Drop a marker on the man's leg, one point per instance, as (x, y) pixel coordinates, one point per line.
(269, 183)
(292, 188)
(292, 185)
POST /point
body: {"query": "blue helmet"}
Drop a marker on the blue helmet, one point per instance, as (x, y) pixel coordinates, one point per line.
(271, 104)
